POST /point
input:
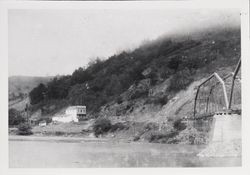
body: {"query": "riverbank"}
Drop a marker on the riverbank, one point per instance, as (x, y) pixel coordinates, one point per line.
(174, 132)
(57, 139)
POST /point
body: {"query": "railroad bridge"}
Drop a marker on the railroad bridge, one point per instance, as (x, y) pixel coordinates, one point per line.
(219, 99)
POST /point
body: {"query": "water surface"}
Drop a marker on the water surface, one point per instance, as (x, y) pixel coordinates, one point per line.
(58, 154)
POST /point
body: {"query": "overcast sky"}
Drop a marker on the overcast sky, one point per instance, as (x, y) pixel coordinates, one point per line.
(52, 42)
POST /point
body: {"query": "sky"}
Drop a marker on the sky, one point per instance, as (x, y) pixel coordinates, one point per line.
(56, 42)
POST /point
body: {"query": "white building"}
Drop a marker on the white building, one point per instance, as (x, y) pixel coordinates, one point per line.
(42, 123)
(72, 114)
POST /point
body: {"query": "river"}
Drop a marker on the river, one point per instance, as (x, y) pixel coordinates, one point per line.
(81, 154)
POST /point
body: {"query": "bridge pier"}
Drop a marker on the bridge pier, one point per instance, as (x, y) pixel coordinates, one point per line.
(225, 136)
(226, 127)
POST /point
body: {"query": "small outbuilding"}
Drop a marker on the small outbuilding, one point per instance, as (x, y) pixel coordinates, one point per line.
(42, 123)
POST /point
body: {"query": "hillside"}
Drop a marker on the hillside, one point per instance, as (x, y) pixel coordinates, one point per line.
(147, 89)
(19, 88)
(150, 75)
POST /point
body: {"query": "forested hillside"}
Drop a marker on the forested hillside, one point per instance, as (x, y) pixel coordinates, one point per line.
(20, 87)
(131, 75)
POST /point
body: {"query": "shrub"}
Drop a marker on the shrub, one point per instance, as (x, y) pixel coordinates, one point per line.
(180, 80)
(161, 137)
(101, 126)
(119, 100)
(139, 94)
(178, 125)
(151, 126)
(15, 117)
(136, 138)
(192, 136)
(153, 77)
(174, 63)
(170, 119)
(162, 100)
(164, 75)
(24, 129)
(59, 133)
(118, 126)
(47, 119)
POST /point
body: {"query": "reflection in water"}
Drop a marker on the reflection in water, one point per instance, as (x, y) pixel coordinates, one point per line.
(40, 154)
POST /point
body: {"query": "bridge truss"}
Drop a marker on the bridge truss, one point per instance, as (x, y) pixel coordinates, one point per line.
(218, 94)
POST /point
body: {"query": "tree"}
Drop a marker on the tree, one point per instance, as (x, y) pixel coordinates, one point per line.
(38, 94)
(24, 129)
(174, 63)
(15, 117)
(58, 88)
(114, 87)
(101, 126)
(80, 76)
(181, 80)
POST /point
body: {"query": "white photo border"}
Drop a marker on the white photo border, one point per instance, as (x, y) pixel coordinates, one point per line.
(243, 5)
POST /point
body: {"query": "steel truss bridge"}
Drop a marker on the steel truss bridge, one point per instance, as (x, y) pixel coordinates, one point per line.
(217, 95)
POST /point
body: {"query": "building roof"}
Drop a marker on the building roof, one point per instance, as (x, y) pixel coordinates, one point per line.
(75, 107)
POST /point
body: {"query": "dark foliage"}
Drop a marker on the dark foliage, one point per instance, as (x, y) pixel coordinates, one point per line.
(119, 100)
(174, 63)
(179, 125)
(180, 80)
(159, 137)
(80, 76)
(46, 119)
(59, 133)
(162, 100)
(105, 80)
(20, 95)
(151, 126)
(24, 129)
(118, 126)
(101, 126)
(139, 94)
(15, 117)
(58, 88)
(38, 94)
